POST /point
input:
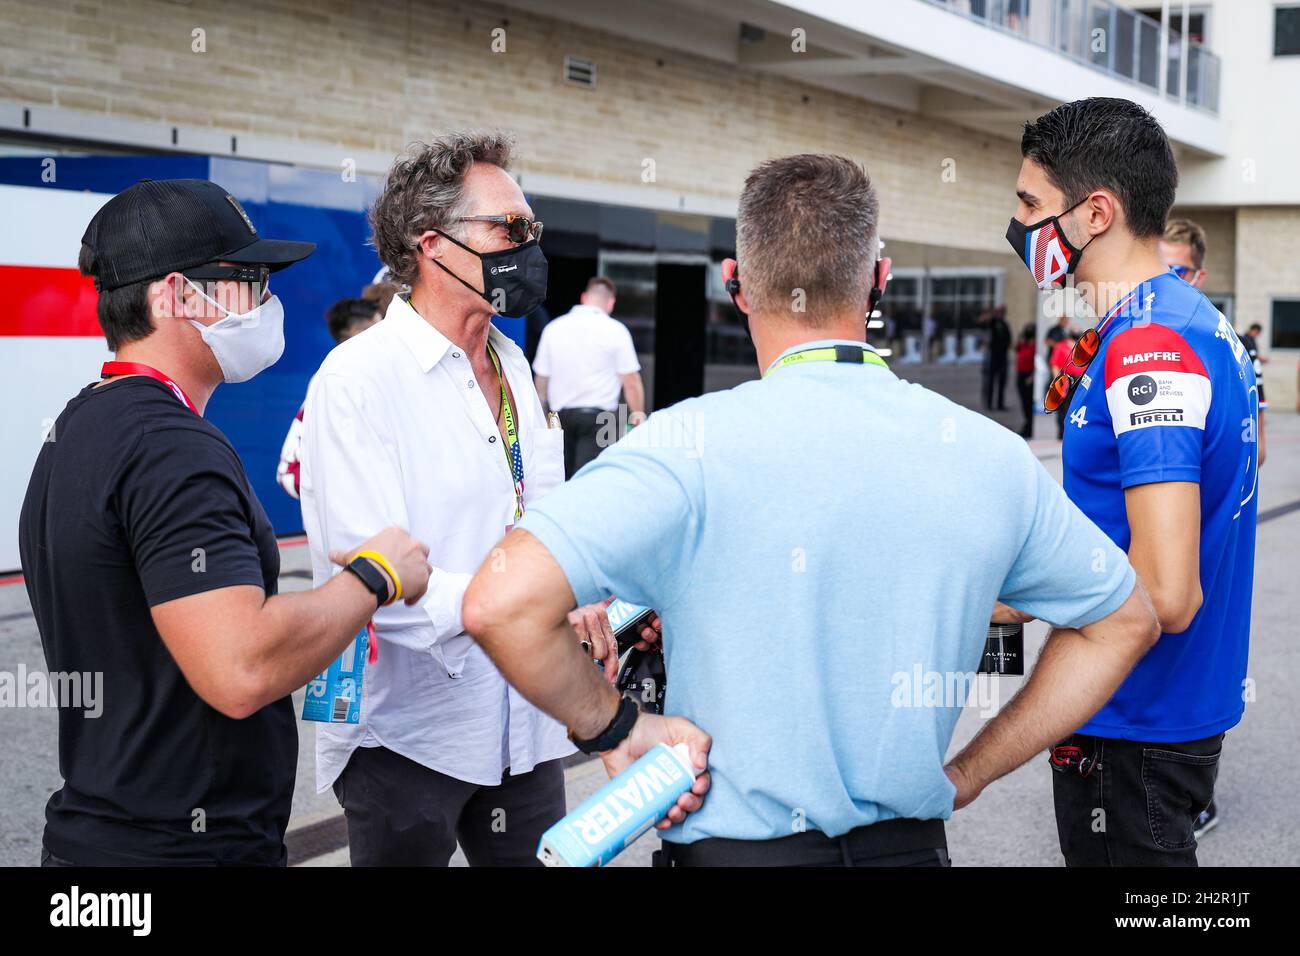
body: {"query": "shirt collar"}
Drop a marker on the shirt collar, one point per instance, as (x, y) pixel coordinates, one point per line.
(819, 344)
(427, 345)
(1135, 302)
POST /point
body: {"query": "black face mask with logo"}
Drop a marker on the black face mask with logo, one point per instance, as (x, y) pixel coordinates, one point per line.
(514, 279)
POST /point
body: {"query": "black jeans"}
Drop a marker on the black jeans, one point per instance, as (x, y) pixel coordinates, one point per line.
(907, 843)
(581, 427)
(401, 813)
(1137, 803)
(1025, 386)
(49, 859)
(995, 385)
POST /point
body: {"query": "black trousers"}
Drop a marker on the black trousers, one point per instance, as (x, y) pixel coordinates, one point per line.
(1025, 386)
(400, 813)
(581, 426)
(995, 385)
(1138, 804)
(891, 843)
(49, 859)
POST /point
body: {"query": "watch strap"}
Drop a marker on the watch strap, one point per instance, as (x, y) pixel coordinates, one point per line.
(615, 733)
(370, 575)
(382, 561)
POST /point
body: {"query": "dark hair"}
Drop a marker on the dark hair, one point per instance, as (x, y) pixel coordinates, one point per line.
(807, 224)
(1254, 325)
(124, 311)
(345, 313)
(600, 282)
(1107, 143)
(425, 190)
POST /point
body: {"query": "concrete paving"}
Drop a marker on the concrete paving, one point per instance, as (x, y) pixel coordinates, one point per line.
(1010, 825)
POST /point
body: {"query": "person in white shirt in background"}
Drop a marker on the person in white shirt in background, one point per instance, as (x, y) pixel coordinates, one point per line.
(345, 318)
(431, 416)
(583, 359)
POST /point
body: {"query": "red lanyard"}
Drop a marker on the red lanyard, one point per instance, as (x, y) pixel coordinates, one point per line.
(135, 368)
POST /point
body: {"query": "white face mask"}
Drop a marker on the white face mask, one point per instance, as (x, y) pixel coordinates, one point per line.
(244, 344)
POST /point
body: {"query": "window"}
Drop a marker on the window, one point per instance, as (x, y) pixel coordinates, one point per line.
(1286, 31)
(1286, 324)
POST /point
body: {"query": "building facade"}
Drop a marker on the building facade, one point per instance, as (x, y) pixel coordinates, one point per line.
(637, 122)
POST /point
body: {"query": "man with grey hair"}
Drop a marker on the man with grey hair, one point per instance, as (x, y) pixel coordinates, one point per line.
(818, 624)
(432, 416)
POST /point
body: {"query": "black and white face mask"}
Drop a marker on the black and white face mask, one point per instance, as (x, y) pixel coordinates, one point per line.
(514, 279)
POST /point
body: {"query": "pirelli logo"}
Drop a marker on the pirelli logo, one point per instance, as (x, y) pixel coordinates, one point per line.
(1156, 416)
(1141, 358)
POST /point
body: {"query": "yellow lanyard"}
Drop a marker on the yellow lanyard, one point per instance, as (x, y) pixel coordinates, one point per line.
(514, 457)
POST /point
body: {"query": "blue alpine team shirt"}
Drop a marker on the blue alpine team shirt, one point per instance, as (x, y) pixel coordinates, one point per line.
(1171, 396)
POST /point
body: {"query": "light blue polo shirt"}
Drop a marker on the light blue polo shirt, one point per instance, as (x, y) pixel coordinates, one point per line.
(825, 546)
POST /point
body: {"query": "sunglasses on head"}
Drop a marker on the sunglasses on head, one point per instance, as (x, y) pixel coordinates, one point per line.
(518, 228)
(1085, 350)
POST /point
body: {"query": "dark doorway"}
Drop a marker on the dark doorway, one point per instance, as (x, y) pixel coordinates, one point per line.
(680, 312)
(566, 279)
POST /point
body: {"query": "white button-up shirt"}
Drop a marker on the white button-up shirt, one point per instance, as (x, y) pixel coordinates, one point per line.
(584, 355)
(396, 432)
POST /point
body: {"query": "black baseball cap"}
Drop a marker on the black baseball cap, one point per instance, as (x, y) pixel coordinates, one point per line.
(169, 225)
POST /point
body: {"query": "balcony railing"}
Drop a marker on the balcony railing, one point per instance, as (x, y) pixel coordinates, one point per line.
(1107, 37)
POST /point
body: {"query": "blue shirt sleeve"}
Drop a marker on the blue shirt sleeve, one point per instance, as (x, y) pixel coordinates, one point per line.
(1068, 572)
(1158, 393)
(629, 523)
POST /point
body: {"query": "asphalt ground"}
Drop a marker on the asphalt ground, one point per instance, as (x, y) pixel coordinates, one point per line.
(1011, 824)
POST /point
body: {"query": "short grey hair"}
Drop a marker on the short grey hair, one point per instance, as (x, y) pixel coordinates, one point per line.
(425, 190)
(807, 223)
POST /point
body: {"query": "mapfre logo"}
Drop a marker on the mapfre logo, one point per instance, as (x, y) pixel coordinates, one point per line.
(1140, 358)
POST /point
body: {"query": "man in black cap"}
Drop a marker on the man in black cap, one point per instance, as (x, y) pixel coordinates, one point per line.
(148, 558)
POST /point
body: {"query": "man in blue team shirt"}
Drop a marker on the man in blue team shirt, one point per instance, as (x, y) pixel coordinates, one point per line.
(1160, 451)
(820, 626)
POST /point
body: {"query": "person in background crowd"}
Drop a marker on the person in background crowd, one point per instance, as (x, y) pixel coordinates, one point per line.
(1026, 350)
(820, 753)
(1184, 249)
(1160, 453)
(1251, 340)
(1059, 360)
(345, 318)
(431, 417)
(1054, 335)
(995, 359)
(584, 359)
(148, 558)
(381, 294)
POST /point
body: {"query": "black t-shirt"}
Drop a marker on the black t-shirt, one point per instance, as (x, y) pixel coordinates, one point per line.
(136, 501)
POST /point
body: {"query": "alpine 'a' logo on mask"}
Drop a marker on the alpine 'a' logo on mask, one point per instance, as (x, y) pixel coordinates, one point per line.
(1048, 258)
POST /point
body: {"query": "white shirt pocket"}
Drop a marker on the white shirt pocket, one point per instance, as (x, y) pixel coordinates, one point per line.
(544, 469)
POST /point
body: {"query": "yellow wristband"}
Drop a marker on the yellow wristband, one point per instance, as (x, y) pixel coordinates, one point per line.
(380, 560)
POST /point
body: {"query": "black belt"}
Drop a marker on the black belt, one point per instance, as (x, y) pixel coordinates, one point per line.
(887, 842)
(586, 410)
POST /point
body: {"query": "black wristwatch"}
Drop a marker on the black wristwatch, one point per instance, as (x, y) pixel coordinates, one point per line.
(615, 733)
(374, 579)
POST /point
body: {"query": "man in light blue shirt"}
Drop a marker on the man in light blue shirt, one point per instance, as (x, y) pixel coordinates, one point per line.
(825, 547)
